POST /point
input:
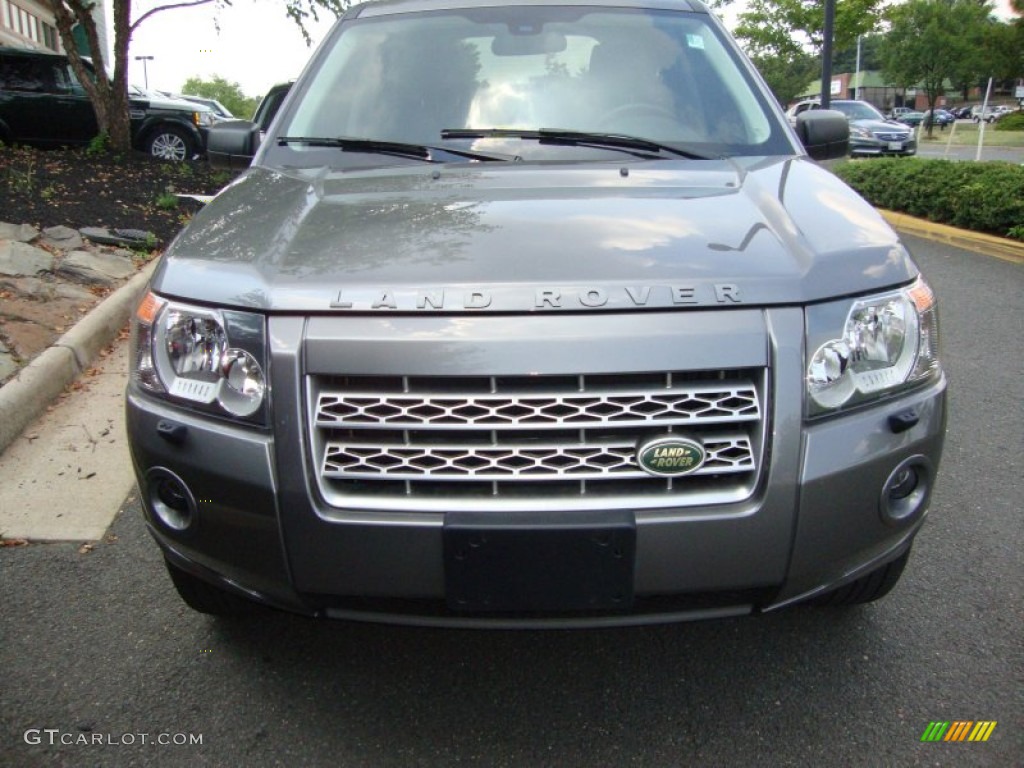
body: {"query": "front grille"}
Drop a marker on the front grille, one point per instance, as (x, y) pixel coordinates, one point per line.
(892, 136)
(402, 442)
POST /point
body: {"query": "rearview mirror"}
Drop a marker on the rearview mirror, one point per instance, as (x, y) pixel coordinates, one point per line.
(825, 133)
(511, 44)
(231, 144)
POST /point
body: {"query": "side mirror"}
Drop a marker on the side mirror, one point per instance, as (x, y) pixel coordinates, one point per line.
(231, 144)
(825, 133)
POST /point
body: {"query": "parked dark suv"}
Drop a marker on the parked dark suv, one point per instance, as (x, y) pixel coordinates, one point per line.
(42, 103)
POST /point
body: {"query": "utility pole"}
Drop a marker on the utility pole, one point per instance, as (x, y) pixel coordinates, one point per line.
(856, 93)
(826, 54)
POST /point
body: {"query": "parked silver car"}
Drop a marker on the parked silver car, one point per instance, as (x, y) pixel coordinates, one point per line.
(534, 314)
(871, 133)
(989, 114)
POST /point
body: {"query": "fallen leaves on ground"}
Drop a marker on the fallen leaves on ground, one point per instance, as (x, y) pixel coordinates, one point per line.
(70, 187)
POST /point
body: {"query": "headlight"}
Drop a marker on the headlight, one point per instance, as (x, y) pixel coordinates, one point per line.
(209, 358)
(857, 131)
(203, 118)
(886, 344)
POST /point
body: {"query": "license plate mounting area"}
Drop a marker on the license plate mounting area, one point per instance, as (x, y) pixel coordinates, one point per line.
(526, 562)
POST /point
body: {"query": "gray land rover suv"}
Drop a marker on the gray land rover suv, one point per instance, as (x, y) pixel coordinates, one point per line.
(534, 314)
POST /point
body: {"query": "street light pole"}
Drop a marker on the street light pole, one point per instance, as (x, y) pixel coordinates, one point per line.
(145, 72)
(826, 54)
(856, 93)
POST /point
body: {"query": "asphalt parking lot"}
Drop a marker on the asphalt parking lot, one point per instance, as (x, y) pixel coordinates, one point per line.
(102, 662)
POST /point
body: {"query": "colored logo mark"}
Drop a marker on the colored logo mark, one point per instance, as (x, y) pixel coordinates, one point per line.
(958, 730)
(670, 456)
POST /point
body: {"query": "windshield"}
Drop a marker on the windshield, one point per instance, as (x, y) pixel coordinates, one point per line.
(668, 77)
(857, 110)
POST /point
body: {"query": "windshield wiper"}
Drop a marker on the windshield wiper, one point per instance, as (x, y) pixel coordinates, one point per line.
(632, 144)
(422, 152)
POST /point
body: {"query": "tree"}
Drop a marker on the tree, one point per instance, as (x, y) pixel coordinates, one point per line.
(1005, 42)
(789, 28)
(845, 59)
(228, 94)
(108, 90)
(787, 77)
(931, 42)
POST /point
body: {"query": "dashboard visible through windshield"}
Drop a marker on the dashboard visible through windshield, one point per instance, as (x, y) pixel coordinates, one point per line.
(668, 78)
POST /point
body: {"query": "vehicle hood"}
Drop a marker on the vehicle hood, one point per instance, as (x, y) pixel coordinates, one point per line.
(522, 238)
(162, 102)
(881, 126)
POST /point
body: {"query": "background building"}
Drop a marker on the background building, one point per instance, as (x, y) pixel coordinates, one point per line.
(28, 24)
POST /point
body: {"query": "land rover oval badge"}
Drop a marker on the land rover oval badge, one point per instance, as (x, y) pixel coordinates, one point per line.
(670, 456)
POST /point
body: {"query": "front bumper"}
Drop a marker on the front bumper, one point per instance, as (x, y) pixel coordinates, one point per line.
(875, 146)
(811, 522)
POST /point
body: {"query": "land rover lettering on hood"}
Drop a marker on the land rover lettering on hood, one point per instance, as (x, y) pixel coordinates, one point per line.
(534, 314)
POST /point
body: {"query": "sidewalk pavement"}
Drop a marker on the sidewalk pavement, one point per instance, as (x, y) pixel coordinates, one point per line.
(66, 477)
(70, 471)
(64, 462)
(27, 394)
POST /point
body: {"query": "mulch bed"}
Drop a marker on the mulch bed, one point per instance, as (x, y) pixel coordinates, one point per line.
(73, 188)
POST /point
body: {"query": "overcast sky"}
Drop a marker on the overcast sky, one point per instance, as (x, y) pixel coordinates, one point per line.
(257, 45)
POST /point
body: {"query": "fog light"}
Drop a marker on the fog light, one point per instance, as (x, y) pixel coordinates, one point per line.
(170, 500)
(905, 494)
(903, 484)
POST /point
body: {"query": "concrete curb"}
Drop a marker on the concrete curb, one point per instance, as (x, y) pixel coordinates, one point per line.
(997, 247)
(35, 386)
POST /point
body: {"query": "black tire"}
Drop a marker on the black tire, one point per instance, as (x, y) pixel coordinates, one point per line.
(867, 589)
(169, 142)
(204, 597)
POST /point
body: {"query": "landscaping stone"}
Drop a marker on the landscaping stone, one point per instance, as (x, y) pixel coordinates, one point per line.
(128, 237)
(65, 238)
(17, 259)
(8, 365)
(45, 290)
(56, 314)
(22, 233)
(28, 339)
(100, 268)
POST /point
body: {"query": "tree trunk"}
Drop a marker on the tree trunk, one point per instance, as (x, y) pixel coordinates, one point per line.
(109, 97)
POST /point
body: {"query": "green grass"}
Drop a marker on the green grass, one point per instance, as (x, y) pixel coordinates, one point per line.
(167, 201)
(968, 134)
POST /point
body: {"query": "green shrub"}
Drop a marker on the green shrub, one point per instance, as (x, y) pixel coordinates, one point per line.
(1011, 122)
(98, 145)
(167, 201)
(984, 197)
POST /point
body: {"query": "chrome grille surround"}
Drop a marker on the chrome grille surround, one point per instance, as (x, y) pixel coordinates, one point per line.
(892, 136)
(525, 442)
